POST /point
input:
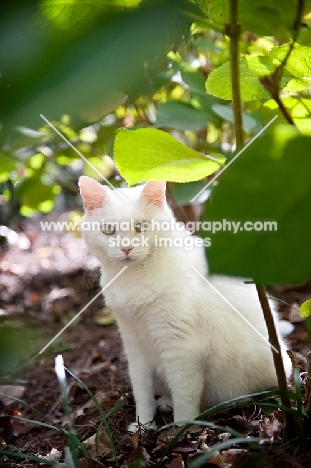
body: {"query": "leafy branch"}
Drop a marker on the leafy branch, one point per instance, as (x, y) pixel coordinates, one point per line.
(272, 82)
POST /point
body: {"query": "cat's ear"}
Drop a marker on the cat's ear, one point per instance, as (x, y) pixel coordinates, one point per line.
(92, 192)
(154, 193)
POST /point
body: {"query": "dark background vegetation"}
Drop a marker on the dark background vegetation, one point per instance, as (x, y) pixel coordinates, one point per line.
(91, 69)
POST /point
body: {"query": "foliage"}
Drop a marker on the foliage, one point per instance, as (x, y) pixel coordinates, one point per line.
(75, 446)
(165, 65)
(283, 196)
(305, 311)
(305, 308)
(158, 156)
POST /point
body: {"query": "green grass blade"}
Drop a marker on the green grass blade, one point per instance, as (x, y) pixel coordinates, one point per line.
(297, 381)
(42, 461)
(24, 404)
(104, 417)
(230, 403)
(187, 424)
(292, 411)
(221, 446)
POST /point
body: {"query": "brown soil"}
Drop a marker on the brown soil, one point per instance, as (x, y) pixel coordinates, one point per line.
(46, 279)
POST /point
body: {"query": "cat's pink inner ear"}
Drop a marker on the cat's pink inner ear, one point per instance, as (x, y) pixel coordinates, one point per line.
(92, 192)
(154, 193)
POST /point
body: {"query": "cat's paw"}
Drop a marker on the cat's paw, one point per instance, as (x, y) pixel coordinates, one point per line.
(164, 404)
(135, 426)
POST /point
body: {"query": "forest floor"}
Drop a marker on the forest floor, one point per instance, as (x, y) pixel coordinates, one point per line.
(46, 279)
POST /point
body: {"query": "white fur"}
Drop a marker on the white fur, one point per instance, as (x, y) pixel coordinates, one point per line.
(180, 338)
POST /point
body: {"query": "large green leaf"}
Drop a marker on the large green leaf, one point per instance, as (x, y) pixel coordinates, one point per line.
(257, 16)
(67, 14)
(180, 116)
(87, 70)
(269, 181)
(151, 154)
(184, 193)
(216, 10)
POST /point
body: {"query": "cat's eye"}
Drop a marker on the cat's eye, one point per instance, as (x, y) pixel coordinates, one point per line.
(142, 226)
(108, 228)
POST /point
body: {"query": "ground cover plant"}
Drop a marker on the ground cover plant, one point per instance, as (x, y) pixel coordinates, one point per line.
(212, 96)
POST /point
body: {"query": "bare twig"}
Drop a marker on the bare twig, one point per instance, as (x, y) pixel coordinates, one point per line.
(276, 351)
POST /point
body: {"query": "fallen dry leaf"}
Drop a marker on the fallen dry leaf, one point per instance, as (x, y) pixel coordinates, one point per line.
(177, 461)
(140, 457)
(16, 391)
(134, 440)
(104, 447)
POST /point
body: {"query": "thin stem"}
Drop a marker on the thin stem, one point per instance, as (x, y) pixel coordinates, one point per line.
(234, 33)
(271, 83)
(284, 111)
(276, 350)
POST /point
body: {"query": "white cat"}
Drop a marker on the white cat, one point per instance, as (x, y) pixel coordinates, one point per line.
(181, 339)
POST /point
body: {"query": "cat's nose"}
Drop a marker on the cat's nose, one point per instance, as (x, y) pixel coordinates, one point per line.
(126, 250)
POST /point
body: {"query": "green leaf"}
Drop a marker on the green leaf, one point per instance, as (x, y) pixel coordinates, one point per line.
(252, 67)
(7, 165)
(260, 20)
(298, 108)
(299, 62)
(180, 116)
(269, 181)
(216, 10)
(218, 82)
(184, 193)
(88, 70)
(294, 85)
(151, 154)
(305, 308)
(192, 77)
(67, 14)
(35, 195)
(304, 37)
(257, 16)
(226, 112)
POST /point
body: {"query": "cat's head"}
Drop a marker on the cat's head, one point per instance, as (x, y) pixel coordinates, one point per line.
(122, 225)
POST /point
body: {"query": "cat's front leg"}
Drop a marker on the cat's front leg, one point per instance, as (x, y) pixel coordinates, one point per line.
(186, 382)
(141, 376)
